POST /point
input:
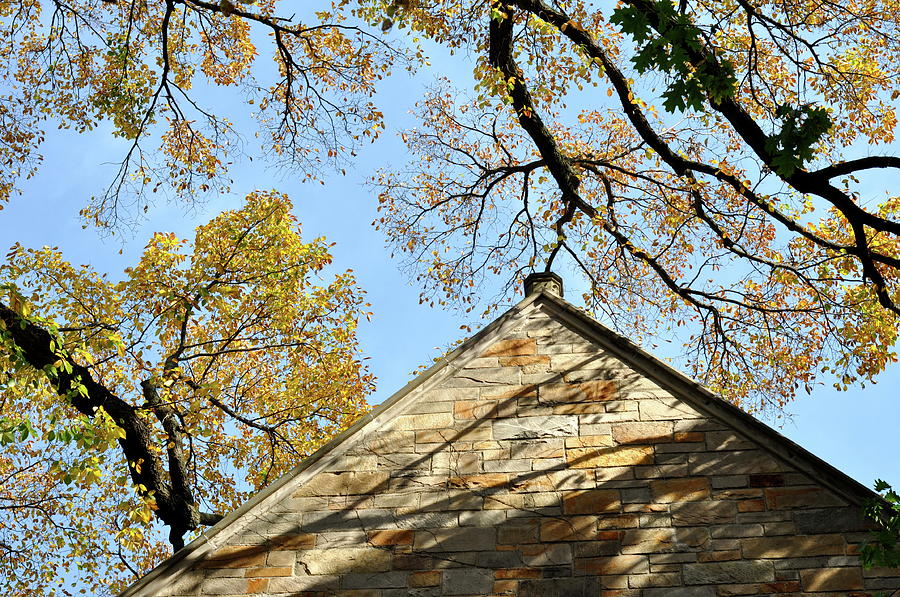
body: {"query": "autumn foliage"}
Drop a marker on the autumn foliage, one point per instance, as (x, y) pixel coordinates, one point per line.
(229, 353)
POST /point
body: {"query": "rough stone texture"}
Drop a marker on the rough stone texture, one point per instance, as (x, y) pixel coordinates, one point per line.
(545, 467)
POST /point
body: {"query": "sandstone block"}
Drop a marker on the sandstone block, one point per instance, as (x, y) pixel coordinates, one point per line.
(578, 408)
(586, 441)
(341, 560)
(525, 360)
(270, 571)
(467, 581)
(573, 528)
(806, 497)
(547, 555)
(728, 572)
(518, 392)
(825, 520)
(663, 408)
(793, 547)
(703, 513)
(295, 585)
(622, 564)
(602, 457)
(535, 427)
(483, 377)
(546, 448)
(648, 541)
(680, 490)
(642, 432)
(425, 578)
(479, 363)
(733, 463)
(224, 586)
(390, 537)
(424, 421)
(831, 579)
(458, 539)
(476, 482)
(236, 556)
(591, 501)
(513, 347)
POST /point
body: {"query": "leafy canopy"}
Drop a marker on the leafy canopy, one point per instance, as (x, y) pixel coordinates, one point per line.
(213, 366)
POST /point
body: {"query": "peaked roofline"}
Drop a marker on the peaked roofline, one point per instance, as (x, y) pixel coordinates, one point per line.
(667, 377)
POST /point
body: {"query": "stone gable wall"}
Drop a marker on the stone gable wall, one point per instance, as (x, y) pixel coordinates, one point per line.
(546, 468)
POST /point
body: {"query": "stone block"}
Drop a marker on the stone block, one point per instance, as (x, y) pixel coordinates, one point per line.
(793, 547)
(587, 441)
(423, 421)
(588, 391)
(836, 520)
(665, 408)
(559, 587)
(591, 501)
(485, 377)
(776, 480)
(390, 537)
(727, 440)
(804, 497)
(620, 564)
(642, 432)
(481, 518)
(578, 408)
(507, 466)
(425, 578)
(572, 528)
(680, 490)
(353, 463)
(513, 347)
(292, 541)
(520, 531)
(389, 442)
(728, 572)
(467, 581)
(526, 361)
(479, 481)
(603, 457)
(458, 539)
(295, 585)
(546, 555)
(831, 579)
(740, 462)
(706, 512)
(351, 538)
(522, 393)
(535, 427)
(640, 541)
(224, 586)
(732, 531)
(374, 580)
(544, 448)
(342, 560)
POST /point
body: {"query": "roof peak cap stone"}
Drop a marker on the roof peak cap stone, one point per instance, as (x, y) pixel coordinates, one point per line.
(544, 281)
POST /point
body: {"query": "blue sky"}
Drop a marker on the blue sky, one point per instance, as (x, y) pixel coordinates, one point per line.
(852, 430)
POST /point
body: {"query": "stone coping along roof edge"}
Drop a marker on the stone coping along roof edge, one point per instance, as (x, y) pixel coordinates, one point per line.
(667, 377)
(168, 570)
